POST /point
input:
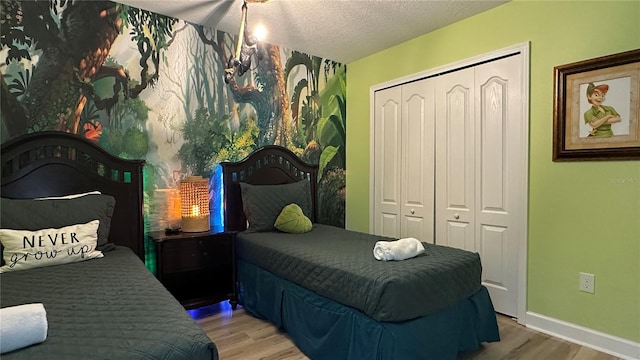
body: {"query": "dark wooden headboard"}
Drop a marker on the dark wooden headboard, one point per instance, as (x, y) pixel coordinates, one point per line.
(269, 165)
(56, 163)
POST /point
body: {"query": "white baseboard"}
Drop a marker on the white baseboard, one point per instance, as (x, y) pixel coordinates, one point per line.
(590, 338)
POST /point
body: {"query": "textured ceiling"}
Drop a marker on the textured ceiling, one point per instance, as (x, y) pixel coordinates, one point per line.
(340, 30)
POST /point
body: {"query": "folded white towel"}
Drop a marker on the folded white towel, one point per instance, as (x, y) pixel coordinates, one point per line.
(397, 250)
(21, 326)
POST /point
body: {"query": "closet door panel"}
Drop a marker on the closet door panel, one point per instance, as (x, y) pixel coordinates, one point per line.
(501, 171)
(387, 165)
(491, 188)
(417, 182)
(455, 166)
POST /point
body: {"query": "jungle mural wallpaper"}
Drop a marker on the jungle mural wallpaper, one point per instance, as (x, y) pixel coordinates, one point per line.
(147, 86)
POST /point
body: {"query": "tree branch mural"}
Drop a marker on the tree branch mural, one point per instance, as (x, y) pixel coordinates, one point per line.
(72, 40)
(269, 98)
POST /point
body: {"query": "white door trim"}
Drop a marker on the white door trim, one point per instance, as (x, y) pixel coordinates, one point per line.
(522, 48)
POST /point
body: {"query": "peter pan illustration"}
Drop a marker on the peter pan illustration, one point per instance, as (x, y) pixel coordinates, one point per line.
(599, 116)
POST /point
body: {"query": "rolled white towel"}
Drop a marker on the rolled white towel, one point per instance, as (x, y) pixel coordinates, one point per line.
(21, 326)
(398, 250)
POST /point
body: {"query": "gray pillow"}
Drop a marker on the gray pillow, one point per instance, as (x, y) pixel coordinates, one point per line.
(28, 214)
(263, 203)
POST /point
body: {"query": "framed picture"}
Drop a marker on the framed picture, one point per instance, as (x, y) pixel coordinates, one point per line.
(596, 109)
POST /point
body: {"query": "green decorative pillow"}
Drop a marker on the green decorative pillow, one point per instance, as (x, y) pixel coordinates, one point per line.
(292, 220)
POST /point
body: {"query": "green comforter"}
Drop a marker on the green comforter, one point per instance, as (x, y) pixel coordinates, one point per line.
(339, 264)
(107, 308)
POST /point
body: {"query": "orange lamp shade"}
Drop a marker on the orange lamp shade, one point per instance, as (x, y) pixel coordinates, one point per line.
(194, 208)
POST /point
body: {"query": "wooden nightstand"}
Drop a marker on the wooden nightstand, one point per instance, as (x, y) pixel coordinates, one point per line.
(197, 268)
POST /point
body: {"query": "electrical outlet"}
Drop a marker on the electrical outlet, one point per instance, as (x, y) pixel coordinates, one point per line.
(587, 283)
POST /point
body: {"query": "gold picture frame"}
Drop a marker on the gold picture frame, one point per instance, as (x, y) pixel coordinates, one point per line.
(596, 109)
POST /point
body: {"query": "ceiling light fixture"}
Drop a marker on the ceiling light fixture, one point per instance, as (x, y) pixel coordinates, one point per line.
(246, 47)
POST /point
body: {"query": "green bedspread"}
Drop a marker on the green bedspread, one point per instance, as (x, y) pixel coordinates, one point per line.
(339, 264)
(108, 308)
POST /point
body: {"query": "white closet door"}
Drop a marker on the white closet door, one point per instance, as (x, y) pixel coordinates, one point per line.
(500, 178)
(387, 152)
(455, 166)
(481, 171)
(417, 182)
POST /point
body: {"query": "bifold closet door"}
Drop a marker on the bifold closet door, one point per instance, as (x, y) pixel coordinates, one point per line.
(404, 161)
(481, 170)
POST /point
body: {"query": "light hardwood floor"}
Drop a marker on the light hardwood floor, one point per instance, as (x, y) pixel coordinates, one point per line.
(239, 336)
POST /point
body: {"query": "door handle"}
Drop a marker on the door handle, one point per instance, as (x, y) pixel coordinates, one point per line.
(413, 211)
(456, 216)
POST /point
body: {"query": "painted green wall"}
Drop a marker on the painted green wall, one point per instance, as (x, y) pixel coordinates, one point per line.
(583, 216)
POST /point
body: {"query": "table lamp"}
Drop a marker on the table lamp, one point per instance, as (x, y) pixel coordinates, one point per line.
(194, 198)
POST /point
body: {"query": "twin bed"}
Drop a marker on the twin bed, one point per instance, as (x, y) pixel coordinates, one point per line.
(324, 286)
(109, 307)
